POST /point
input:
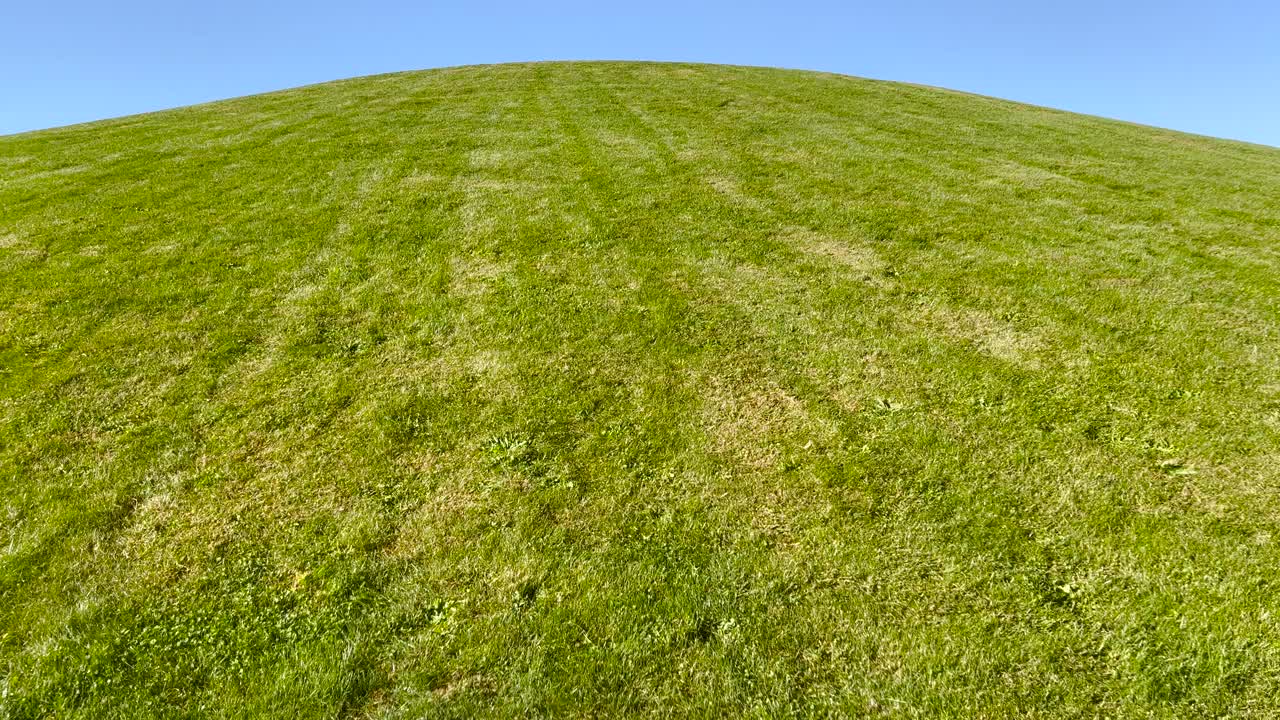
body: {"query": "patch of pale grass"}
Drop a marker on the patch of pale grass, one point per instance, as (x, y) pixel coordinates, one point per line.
(1026, 176)
(858, 257)
(752, 424)
(994, 337)
(473, 276)
(732, 190)
(490, 158)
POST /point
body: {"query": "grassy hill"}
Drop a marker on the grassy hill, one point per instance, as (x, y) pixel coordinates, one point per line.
(607, 388)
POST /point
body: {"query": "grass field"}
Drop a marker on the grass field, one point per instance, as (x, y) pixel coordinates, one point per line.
(601, 389)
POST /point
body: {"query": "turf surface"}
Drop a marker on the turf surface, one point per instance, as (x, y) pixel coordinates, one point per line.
(601, 389)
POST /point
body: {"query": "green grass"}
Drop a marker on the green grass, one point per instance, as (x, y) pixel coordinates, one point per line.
(601, 389)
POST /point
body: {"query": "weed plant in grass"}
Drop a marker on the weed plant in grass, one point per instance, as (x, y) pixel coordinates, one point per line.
(604, 389)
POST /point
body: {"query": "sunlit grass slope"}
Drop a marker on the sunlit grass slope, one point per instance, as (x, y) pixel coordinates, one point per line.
(600, 389)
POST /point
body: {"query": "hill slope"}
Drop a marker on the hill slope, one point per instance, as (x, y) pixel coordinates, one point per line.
(604, 388)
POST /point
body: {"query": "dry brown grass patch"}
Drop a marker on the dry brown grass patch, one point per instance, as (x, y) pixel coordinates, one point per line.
(851, 255)
(750, 424)
(989, 335)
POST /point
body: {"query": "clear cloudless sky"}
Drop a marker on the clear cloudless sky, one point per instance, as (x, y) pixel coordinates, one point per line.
(1205, 67)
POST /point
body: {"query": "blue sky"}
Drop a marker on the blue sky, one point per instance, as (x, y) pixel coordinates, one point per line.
(1206, 67)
